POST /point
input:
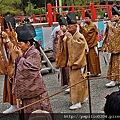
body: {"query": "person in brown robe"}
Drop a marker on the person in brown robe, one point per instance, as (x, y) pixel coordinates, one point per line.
(90, 31)
(64, 71)
(72, 52)
(111, 44)
(28, 84)
(10, 56)
(3, 57)
(3, 60)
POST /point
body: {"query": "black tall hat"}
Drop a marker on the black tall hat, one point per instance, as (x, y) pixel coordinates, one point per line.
(9, 20)
(115, 10)
(63, 21)
(25, 32)
(31, 29)
(71, 18)
(87, 14)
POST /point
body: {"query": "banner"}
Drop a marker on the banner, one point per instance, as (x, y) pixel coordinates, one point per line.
(101, 27)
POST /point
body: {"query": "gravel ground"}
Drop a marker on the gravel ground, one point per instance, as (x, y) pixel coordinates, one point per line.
(61, 102)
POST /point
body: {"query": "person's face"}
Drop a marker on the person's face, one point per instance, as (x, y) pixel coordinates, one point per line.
(24, 46)
(87, 19)
(115, 18)
(63, 28)
(72, 28)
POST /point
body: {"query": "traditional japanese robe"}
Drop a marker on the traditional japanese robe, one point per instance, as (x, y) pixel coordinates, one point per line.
(3, 60)
(112, 45)
(63, 71)
(64, 75)
(7, 68)
(71, 53)
(90, 33)
(7, 57)
(28, 83)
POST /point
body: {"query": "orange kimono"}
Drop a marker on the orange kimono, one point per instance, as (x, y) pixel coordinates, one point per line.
(71, 53)
(3, 59)
(7, 91)
(90, 33)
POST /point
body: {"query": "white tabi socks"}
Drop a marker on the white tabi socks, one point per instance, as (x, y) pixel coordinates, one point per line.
(11, 109)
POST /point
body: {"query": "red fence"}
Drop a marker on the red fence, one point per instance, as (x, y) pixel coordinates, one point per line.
(51, 15)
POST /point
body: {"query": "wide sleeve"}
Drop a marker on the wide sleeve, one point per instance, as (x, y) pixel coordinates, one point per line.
(28, 82)
(76, 51)
(113, 39)
(29, 67)
(90, 34)
(84, 40)
(62, 54)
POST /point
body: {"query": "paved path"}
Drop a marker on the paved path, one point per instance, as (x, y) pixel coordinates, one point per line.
(61, 102)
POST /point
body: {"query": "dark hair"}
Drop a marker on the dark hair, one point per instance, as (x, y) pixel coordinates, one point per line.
(112, 105)
(35, 43)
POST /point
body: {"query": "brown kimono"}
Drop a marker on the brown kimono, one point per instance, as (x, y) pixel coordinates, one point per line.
(112, 45)
(28, 83)
(7, 57)
(3, 61)
(90, 33)
(71, 52)
(64, 71)
(7, 69)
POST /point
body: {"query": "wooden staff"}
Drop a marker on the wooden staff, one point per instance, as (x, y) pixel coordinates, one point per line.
(10, 61)
(90, 108)
(12, 35)
(56, 94)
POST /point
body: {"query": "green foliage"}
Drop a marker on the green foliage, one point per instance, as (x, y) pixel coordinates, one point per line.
(58, 17)
(79, 14)
(100, 13)
(8, 9)
(30, 10)
(10, 6)
(38, 11)
(12, 12)
(76, 2)
(17, 7)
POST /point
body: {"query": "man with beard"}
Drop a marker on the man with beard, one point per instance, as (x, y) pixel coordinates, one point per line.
(90, 31)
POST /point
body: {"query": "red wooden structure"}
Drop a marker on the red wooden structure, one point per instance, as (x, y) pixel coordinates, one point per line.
(51, 15)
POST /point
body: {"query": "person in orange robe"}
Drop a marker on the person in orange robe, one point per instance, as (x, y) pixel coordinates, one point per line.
(90, 31)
